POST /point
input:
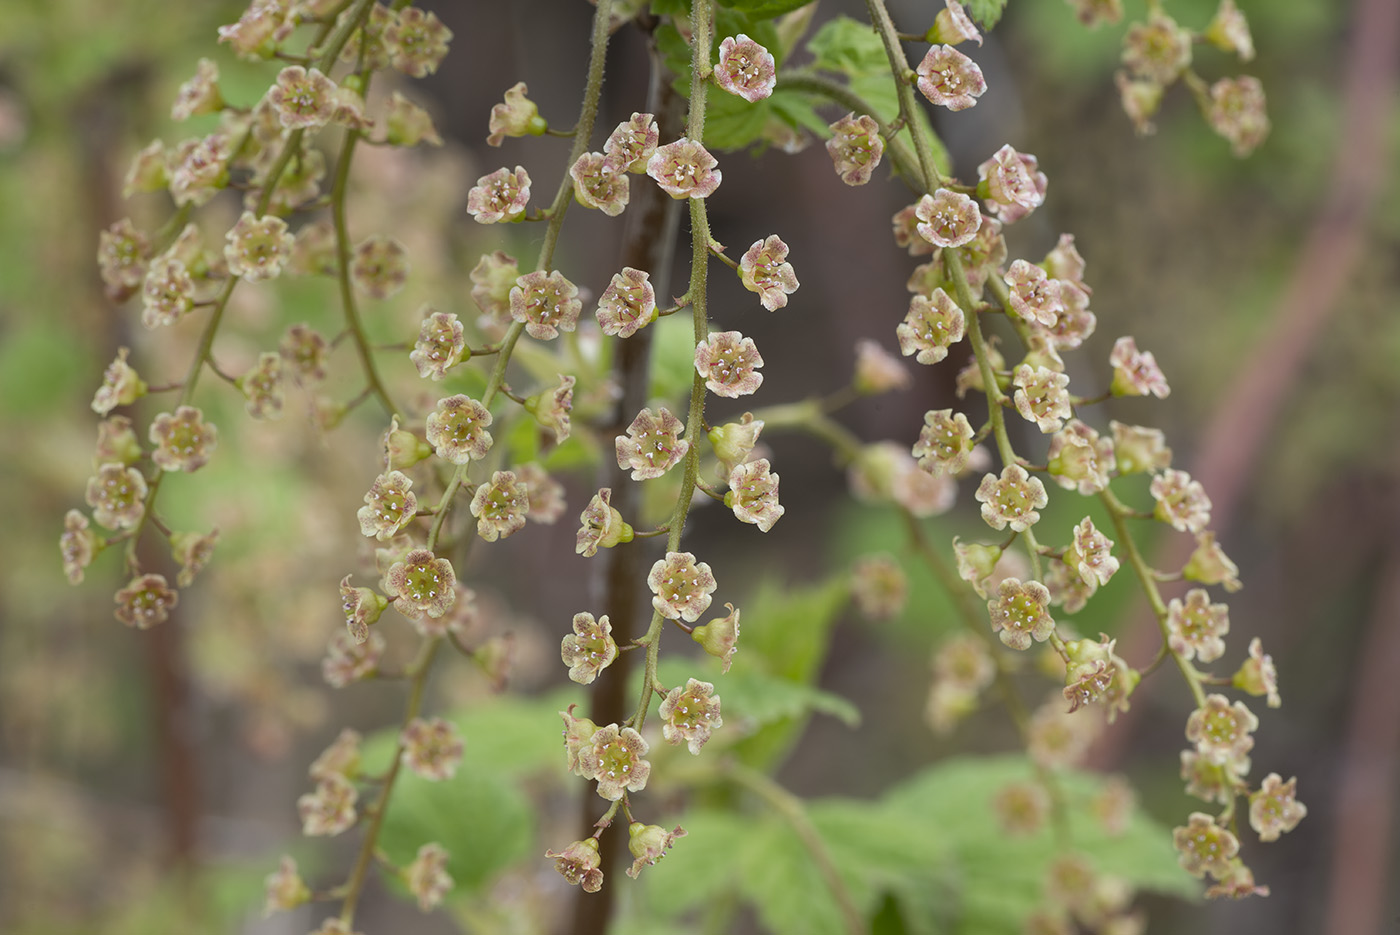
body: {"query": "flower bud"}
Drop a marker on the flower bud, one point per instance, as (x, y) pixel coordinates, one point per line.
(720, 637)
(403, 449)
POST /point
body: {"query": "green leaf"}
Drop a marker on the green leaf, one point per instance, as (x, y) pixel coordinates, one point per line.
(848, 47)
(986, 12)
(672, 357)
(765, 9)
(788, 627)
(758, 699)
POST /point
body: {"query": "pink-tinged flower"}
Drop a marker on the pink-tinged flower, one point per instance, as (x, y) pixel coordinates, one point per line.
(878, 371)
(648, 844)
(304, 351)
(200, 94)
(314, 250)
(578, 863)
(1058, 738)
(1140, 450)
(257, 248)
(500, 196)
(121, 386)
(1159, 50)
(855, 147)
(416, 42)
(330, 809)
(1181, 501)
(192, 551)
(950, 79)
(1210, 781)
(1209, 564)
(1195, 628)
(366, 48)
(976, 564)
(878, 586)
(1021, 612)
(362, 608)
(690, 714)
(983, 255)
(589, 649)
(335, 926)
(407, 124)
(284, 888)
(965, 661)
(1237, 883)
(1021, 808)
(347, 661)
(733, 442)
(389, 506)
(1065, 262)
(764, 269)
(684, 169)
(1257, 675)
(904, 224)
(953, 26)
(261, 385)
(1067, 588)
(303, 99)
(145, 601)
(199, 169)
(341, 758)
(628, 304)
(1275, 808)
(720, 637)
(1090, 554)
(1042, 397)
(546, 303)
(652, 445)
(920, 492)
(260, 29)
(746, 69)
(1135, 373)
(149, 171)
(729, 363)
(682, 586)
(379, 266)
(945, 443)
(578, 732)
(184, 441)
(930, 327)
(1034, 296)
(603, 526)
(122, 251)
(1114, 804)
(753, 494)
(456, 429)
(1229, 31)
(947, 705)
(500, 506)
(947, 218)
(1075, 323)
(427, 877)
(167, 292)
(1012, 183)
(432, 748)
(441, 345)
(615, 759)
(1204, 847)
(1140, 98)
(348, 109)
(632, 142)
(1093, 13)
(117, 495)
(517, 115)
(1237, 112)
(492, 279)
(1013, 499)
(116, 442)
(552, 408)
(78, 544)
(1221, 731)
(421, 584)
(461, 619)
(600, 184)
(1094, 673)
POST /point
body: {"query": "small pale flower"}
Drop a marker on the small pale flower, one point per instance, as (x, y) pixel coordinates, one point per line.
(920, 492)
(379, 266)
(421, 584)
(145, 601)
(389, 506)
(578, 731)
(1237, 883)
(947, 705)
(1237, 112)
(855, 147)
(200, 94)
(456, 429)
(263, 397)
(362, 608)
(720, 637)
(199, 169)
(122, 251)
(121, 386)
(1013, 499)
(1035, 297)
(1012, 183)
(461, 619)
(1140, 98)
(764, 269)
(904, 224)
(432, 748)
(578, 863)
(284, 888)
(78, 544)
(257, 248)
(1229, 31)
(1158, 50)
(117, 495)
(1113, 805)
(1090, 554)
(1204, 847)
(931, 325)
(263, 25)
(427, 877)
(879, 587)
(1094, 13)
(983, 255)
(348, 108)
(682, 586)
(1196, 626)
(947, 218)
(1135, 373)
(734, 442)
(492, 279)
(753, 494)
(1258, 675)
(407, 124)
(500, 506)
(945, 443)
(745, 69)
(552, 408)
(1080, 459)
(314, 250)
(304, 99)
(1075, 323)
(589, 649)
(965, 661)
(1021, 808)
(652, 445)
(603, 526)
(330, 809)
(441, 345)
(690, 714)
(167, 293)
(1209, 564)
(184, 441)
(149, 170)
(1058, 738)
(546, 303)
(116, 443)
(950, 79)
(1140, 449)
(367, 48)
(347, 661)
(684, 169)
(1067, 588)
(1275, 808)
(648, 844)
(628, 304)
(953, 26)
(729, 363)
(615, 759)
(976, 564)
(1213, 782)
(1181, 501)
(632, 142)
(599, 184)
(304, 352)
(878, 371)
(1042, 397)
(500, 196)
(1021, 612)
(1221, 731)
(416, 42)
(335, 926)
(1094, 673)
(517, 115)
(192, 551)
(341, 758)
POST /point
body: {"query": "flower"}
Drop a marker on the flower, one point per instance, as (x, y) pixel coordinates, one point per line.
(1237, 112)
(1209, 564)
(192, 552)
(117, 495)
(347, 661)
(578, 731)
(684, 169)
(1095, 673)
(121, 386)
(878, 586)
(599, 183)
(764, 269)
(199, 169)
(167, 292)
(406, 124)
(499, 196)
(681, 585)
(589, 649)
(1042, 397)
(1094, 13)
(492, 279)
(603, 526)
(931, 325)
(904, 224)
(1058, 738)
(367, 48)
(632, 142)
(1236, 883)
(690, 714)
(1181, 501)
(427, 878)
(145, 602)
(184, 441)
(753, 494)
(877, 371)
(432, 748)
(200, 94)
(546, 303)
(257, 248)
(116, 442)
(648, 844)
(303, 99)
(330, 809)
(945, 443)
(341, 758)
(441, 345)
(1013, 499)
(615, 759)
(148, 172)
(304, 351)
(720, 637)
(729, 363)
(78, 544)
(421, 584)
(855, 147)
(1195, 627)
(953, 26)
(578, 863)
(628, 304)
(1140, 97)
(745, 69)
(1089, 554)
(1021, 808)
(1257, 675)
(456, 429)
(1012, 183)
(1204, 847)
(947, 218)
(262, 387)
(379, 267)
(551, 407)
(1221, 731)
(284, 888)
(976, 564)
(263, 25)
(1229, 31)
(500, 506)
(950, 79)
(1139, 449)
(1135, 373)
(122, 251)
(416, 42)
(733, 442)
(1035, 297)
(1020, 612)
(517, 115)
(1274, 808)
(652, 445)
(1158, 50)
(389, 506)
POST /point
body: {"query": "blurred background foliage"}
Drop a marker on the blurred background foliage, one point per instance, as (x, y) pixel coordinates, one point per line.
(1189, 250)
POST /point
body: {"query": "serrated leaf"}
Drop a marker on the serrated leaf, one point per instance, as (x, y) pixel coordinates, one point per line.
(788, 626)
(847, 46)
(986, 12)
(756, 699)
(765, 9)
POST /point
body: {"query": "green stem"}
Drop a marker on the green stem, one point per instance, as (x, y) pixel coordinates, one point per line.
(908, 106)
